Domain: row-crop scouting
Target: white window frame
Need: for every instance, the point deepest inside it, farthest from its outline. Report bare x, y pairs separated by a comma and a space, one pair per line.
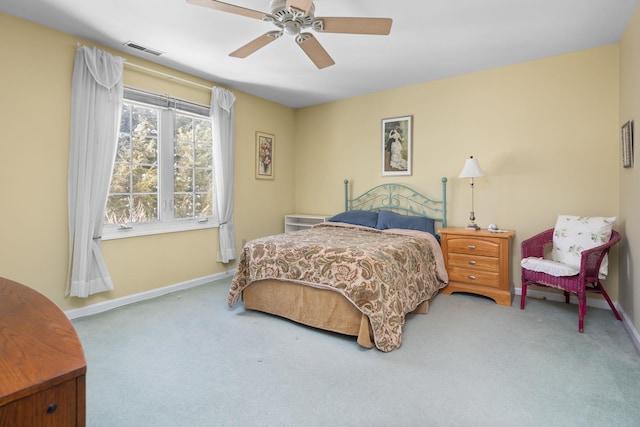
166, 135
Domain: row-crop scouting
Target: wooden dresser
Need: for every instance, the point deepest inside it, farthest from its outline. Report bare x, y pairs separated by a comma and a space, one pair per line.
477, 262
42, 364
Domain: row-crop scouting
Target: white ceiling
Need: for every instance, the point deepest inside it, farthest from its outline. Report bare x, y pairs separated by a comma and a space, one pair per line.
429, 40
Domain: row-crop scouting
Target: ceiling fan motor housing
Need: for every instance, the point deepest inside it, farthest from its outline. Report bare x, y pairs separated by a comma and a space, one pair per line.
290, 21
278, 6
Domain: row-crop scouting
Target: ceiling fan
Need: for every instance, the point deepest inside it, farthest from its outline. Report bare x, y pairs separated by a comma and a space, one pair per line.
292, 17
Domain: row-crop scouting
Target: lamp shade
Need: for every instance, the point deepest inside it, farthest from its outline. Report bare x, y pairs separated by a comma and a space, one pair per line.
471, 169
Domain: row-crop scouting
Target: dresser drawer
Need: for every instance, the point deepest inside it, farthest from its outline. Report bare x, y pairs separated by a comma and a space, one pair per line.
473, 262
474, 245
474, 277
55, 406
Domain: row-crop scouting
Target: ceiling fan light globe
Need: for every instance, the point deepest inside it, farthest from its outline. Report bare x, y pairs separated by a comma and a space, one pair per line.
292, 28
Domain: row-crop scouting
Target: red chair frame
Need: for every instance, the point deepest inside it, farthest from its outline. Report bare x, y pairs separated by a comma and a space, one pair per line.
585, 281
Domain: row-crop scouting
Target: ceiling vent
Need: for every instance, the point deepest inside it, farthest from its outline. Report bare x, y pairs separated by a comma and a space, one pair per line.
143, 48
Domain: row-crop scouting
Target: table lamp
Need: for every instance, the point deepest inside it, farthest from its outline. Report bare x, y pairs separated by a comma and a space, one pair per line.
471, 170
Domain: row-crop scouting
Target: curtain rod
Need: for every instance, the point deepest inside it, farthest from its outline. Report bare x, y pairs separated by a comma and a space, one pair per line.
159, 73
165, 75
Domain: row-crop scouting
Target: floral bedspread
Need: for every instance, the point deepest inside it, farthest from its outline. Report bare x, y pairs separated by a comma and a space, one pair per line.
385, 274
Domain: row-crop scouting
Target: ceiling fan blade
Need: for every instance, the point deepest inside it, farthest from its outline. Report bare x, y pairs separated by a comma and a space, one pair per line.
226, 7
314, 50
256, 44
376, 26
303, 5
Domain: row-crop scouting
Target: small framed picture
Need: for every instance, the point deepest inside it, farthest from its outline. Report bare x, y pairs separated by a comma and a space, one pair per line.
265, 148
627, 144
396, 146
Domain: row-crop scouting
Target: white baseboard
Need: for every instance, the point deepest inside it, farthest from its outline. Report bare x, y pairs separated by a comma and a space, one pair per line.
142, 296
628, 325
591, 302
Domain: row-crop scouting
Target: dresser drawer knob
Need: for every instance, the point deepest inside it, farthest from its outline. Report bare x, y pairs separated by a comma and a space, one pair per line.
52, 408
472, 262
471, 246
471, 277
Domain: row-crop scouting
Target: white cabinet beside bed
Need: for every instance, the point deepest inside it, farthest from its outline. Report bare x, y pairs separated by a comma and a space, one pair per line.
293, 222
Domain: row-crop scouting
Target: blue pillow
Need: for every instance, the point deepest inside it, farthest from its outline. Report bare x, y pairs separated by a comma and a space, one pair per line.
366, 218
388, 219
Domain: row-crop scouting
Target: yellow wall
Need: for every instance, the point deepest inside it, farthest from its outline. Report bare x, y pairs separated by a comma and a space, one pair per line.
35, 88
629, 295
545, 132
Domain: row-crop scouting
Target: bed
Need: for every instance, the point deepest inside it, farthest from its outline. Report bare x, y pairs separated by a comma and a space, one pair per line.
358, 274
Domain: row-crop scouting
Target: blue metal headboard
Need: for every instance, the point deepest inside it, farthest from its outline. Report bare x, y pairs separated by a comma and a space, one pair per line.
399, 198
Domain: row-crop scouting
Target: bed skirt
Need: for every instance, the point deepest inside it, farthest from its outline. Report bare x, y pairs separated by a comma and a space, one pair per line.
319, 308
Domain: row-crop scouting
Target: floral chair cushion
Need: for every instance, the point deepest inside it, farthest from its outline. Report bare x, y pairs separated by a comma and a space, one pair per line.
573, 234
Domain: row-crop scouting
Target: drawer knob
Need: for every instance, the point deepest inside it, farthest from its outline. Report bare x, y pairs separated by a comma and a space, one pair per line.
52, 408
472, 262
471, 277
471, 246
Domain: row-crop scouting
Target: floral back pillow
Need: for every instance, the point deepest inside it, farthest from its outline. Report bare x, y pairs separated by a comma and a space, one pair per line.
573, 234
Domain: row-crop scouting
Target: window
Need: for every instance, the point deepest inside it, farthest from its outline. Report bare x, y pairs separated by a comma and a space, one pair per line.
162, 179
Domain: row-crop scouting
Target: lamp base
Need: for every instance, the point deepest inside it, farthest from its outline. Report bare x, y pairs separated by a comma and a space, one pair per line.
472, 218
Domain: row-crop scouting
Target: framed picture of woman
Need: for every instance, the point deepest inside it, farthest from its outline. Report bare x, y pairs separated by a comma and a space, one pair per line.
396, 146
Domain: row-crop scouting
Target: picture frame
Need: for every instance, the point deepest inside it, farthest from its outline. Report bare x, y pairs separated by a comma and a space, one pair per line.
397, 146
265, 149
627, 144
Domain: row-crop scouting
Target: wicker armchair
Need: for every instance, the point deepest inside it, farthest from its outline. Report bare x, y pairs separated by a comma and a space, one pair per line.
586, 280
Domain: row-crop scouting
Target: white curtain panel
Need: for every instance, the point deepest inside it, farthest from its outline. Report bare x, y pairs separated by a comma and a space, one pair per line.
223, 141
97, 91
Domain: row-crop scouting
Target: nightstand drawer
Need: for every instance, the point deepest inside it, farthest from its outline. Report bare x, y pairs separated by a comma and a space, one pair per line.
473, 262
474, 277
474, 245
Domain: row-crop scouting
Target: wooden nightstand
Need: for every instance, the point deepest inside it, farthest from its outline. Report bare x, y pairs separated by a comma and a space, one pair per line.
477, 262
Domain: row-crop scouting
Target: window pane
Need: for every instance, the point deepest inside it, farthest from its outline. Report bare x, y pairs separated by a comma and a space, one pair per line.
183, 180
204, 179
120, 181
118, 210
183, 154
203, 131
124, 148
145, 208
203, 155
125, 119
204, 205
193, 167
135, 170
184, 128
144, 121
145, 179
183, 206
145, 150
